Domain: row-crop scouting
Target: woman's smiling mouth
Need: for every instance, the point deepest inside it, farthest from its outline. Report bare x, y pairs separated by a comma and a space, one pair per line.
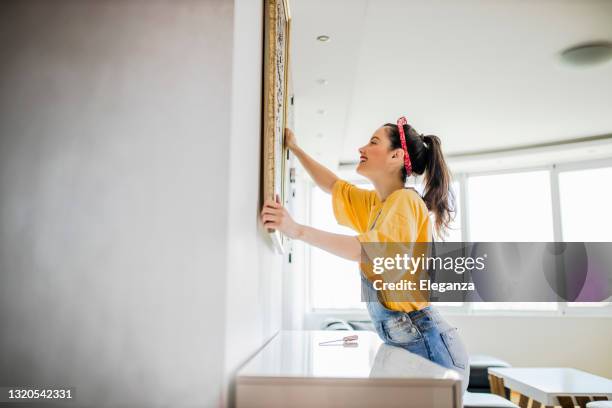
362, 159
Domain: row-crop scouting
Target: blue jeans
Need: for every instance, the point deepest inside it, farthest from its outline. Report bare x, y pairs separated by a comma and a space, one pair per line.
423, 332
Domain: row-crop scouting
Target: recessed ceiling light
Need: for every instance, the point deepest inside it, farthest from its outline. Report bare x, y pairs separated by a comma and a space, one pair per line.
322, 81
591, 53
324, 38
321, 111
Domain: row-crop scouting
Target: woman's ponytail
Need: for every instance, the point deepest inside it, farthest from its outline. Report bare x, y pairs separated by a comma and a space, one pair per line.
427, 159
437, 193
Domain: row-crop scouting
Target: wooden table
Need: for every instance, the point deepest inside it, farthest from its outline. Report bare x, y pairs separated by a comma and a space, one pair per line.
294, 370
566, 387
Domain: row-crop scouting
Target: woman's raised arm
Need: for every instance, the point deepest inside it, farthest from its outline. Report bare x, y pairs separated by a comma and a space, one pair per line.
322, 176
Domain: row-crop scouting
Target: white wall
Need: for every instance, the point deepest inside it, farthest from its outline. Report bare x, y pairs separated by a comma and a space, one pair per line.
120, 168
541, 341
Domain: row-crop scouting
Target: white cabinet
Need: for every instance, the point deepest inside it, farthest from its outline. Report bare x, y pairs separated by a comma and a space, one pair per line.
294, 370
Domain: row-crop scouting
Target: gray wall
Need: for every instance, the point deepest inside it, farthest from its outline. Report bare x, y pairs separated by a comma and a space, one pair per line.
115, 121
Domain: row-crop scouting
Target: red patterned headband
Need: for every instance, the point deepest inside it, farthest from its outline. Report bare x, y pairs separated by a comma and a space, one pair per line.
400, 126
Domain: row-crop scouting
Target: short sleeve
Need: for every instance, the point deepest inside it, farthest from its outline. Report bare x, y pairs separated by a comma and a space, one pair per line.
352, 205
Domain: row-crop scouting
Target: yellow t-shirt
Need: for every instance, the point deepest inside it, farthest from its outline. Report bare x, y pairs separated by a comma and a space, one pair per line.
403, 218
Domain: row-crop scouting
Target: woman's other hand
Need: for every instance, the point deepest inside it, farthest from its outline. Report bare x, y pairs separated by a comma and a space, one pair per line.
290, 140
274, 215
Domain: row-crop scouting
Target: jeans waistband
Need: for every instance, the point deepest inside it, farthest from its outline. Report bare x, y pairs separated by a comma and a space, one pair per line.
426, 311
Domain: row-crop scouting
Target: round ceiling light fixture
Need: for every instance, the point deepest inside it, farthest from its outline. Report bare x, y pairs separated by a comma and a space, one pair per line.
324, 38
586, 54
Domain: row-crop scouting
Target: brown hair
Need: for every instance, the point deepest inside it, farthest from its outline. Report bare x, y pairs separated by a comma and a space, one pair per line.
426, 156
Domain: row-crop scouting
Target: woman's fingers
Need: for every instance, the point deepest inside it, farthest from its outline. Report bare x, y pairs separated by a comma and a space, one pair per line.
269, 208
290, 139
275, 206
270, 217
273, 213
270, 221
272, 203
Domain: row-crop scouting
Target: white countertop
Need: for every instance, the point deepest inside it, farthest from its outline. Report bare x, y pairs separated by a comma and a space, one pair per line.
298, 354
544, 384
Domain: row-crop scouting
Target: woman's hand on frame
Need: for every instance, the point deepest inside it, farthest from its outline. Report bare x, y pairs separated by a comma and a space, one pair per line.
275, 216
290, 139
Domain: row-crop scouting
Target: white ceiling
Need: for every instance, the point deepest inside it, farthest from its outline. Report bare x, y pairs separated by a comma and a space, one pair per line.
480, 74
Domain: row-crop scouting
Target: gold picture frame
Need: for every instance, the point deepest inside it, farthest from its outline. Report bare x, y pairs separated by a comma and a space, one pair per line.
277, 24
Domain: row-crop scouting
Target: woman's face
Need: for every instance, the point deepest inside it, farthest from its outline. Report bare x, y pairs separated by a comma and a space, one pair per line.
376, 158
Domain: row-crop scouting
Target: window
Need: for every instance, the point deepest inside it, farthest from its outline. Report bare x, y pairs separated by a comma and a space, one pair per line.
329, 272
584, 207
585, 204
514, 207
511, 207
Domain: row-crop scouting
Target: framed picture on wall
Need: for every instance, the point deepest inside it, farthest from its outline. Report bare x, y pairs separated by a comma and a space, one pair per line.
277, 22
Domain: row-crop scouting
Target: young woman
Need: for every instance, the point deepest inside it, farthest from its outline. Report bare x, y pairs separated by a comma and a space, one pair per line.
391, 213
